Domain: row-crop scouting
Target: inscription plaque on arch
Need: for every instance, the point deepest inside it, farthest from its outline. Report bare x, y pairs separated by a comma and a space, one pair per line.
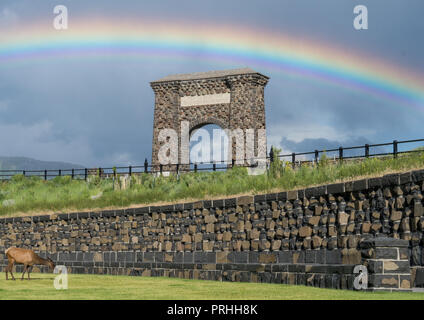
192, 101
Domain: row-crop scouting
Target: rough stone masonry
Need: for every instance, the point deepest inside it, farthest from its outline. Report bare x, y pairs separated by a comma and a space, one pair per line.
313, 236
231, 99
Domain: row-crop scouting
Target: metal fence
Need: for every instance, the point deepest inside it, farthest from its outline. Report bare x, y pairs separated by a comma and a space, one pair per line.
294, 159
394, 146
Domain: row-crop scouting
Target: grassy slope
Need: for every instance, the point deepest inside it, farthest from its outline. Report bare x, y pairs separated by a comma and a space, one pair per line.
149, 288
31, 195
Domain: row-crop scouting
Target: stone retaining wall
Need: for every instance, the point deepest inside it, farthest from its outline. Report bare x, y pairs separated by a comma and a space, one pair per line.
321, 225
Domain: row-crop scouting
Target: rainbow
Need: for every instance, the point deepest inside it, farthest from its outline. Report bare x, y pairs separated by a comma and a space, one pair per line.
230, 44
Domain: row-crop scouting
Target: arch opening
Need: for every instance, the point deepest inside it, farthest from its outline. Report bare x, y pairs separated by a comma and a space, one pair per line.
208, 144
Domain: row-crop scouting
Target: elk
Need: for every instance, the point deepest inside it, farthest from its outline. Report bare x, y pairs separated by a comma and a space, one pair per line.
26, 257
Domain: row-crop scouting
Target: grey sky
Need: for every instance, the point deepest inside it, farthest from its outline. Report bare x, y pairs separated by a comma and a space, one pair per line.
100, 113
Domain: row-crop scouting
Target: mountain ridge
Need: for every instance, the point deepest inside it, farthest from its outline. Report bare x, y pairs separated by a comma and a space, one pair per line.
25, 163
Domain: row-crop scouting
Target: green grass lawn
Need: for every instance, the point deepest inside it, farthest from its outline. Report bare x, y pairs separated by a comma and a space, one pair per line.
104, 287
32, 195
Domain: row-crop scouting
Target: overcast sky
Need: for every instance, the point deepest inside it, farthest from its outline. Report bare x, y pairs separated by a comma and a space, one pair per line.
99, 112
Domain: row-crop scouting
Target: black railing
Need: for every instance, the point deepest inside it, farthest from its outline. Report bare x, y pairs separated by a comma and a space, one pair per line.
394, 145
296, 159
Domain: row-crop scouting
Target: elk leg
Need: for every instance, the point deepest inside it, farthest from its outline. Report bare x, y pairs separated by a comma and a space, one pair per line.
10, 266
25, 269
29, 270
7, 270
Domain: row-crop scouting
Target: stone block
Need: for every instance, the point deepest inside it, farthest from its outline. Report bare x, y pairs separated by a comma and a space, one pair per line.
375, 183
314, 221
395, 215
210, 228
227, 236
210, 219
375, 266
230, 203
276, 245
245, 200
418, 209
335, 188
98, 257
282, 196
386, 253
333, 257
254, 234
383, 281
316, 242
292, 195
360, 185
383, 242
305, 231
267, 258
351, 256
390, 180
186, 238
405, 282
405, 178
343, 218
392, 266
417, 176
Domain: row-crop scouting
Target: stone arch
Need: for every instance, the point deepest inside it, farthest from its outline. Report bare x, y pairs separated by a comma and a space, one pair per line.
199, 123
231, 99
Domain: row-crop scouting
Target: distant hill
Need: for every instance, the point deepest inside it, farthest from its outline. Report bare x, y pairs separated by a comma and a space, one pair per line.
22, 163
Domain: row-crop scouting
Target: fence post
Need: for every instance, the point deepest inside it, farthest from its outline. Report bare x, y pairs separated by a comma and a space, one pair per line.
367, 151
45, 174
195, 167
146, 164
178, 168
316, 156
341, 154
161, 168
60, 172
23, 172
85, 174
214, 167
271, 155
72, 174
130, 170
232, 163
395, 148
100, 172
293, 160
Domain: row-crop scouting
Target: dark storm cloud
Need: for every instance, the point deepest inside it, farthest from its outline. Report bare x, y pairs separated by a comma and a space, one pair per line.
100, 112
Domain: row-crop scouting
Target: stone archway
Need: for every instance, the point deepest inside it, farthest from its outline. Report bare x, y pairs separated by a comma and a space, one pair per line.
198, 123
231, 99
